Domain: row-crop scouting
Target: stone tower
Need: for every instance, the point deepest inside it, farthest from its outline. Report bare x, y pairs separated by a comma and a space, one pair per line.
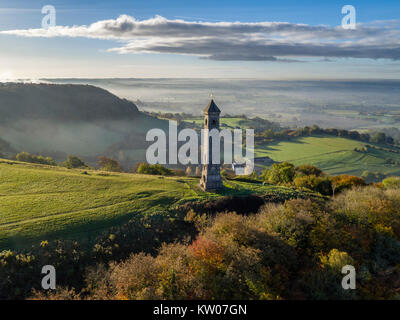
210, 173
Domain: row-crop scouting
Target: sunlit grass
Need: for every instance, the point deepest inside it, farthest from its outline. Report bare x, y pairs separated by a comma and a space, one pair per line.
43, 202
334, 155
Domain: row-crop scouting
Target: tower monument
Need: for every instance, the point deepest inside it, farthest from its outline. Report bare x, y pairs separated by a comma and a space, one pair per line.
210, 173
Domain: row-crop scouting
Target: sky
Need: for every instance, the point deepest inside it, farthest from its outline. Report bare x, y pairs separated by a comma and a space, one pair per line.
268, 39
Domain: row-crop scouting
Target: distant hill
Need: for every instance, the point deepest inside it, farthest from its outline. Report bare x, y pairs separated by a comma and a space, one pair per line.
62, 103
56, 120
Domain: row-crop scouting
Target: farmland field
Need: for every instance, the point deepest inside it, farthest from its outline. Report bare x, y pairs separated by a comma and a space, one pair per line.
44, 203
334, 155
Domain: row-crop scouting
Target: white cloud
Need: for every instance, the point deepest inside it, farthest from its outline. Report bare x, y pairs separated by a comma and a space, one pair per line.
269, 41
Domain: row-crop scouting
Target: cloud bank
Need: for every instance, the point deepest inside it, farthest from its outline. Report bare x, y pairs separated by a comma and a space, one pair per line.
230, 41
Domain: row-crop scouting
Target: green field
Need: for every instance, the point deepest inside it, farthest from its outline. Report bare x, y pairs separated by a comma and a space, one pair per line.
44, 203
334, 155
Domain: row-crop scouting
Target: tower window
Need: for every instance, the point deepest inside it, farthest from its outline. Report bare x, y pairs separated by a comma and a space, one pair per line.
213, 122
206, 121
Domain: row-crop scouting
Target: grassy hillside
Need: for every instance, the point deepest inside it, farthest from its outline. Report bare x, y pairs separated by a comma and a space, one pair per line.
56, 120
333, 154
43, 203
61, 103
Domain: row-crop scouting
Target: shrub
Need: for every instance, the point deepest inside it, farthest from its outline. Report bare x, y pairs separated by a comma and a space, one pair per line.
251, 252
136, 278
108, 164
324, 284
294, 222
308, 170
391, 183
279, 173
336, 260
27, 157
322, 185
24, 157
155, 169
366, 219
74, 162
344, 181
369, 176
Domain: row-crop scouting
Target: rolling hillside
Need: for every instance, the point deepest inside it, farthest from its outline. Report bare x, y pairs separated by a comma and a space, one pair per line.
83, 120
334, 155
56, 120
44, 203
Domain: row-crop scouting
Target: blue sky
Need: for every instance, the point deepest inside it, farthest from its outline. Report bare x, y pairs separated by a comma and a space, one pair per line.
81, 56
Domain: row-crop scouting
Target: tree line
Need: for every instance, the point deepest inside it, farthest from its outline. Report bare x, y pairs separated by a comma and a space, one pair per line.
269, 135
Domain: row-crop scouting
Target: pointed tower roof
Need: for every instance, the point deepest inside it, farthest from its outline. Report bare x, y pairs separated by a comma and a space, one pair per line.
211, 107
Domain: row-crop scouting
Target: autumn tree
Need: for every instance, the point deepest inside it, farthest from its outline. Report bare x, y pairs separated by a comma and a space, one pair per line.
308, 170
322, 185
344, 181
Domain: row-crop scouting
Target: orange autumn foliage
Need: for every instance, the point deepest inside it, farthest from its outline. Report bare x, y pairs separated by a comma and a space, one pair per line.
208, 253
